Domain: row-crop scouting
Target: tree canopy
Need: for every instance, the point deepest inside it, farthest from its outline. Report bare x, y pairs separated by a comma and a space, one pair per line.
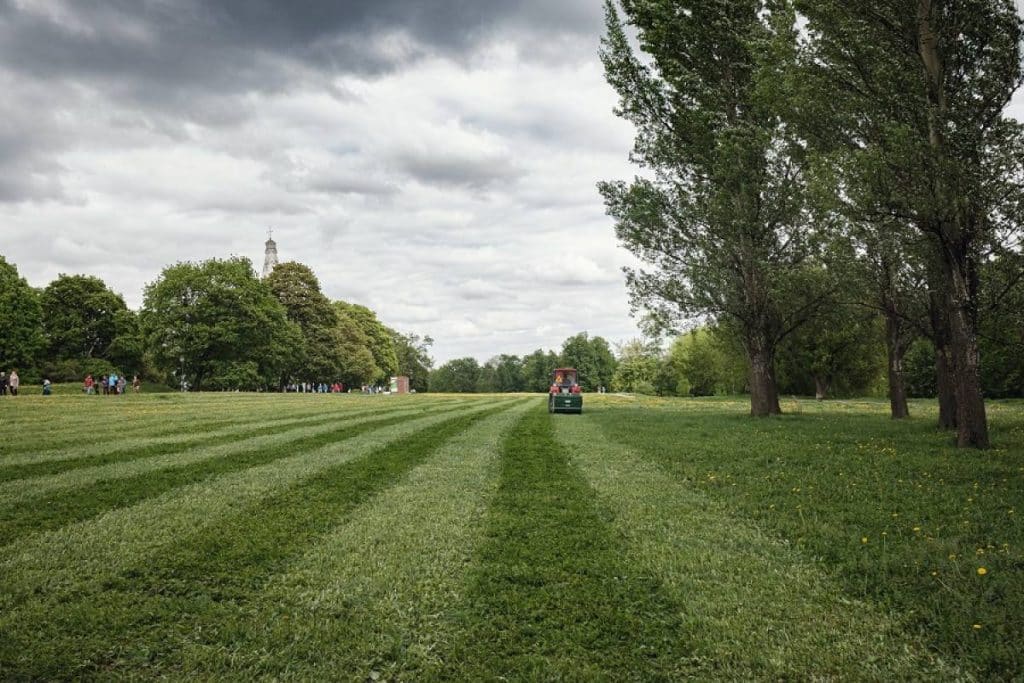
22, 338
720, 221
216, 321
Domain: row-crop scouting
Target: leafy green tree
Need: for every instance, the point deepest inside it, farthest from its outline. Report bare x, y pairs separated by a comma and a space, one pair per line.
22, 338
382, 344
459, 376
201, 319
720, 222
913, 93
508, 374
704, 362
1002, 325
413, 355
592, 358
320, 356
487, 380
919, 369
128, 348
358, 366
839, 352
637, 368
83, 318
537, 369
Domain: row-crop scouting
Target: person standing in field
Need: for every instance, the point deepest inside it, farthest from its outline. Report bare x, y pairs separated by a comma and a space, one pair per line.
88, 384
103, 385
47, 387
136, 384
121, 384
3, 383
112, 384
15, 382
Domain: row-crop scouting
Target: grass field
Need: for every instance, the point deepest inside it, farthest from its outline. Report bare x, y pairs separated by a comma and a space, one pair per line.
304, 537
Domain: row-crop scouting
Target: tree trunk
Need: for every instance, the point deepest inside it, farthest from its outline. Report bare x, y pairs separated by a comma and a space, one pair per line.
895, 348
971, 421
945, 386
957, 246
821, 385
764, 391
943, 360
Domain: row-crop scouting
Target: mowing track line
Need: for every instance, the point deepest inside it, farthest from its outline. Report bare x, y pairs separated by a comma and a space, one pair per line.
754, 609
149, 606
75, 559
550, 598
50, 502
373, 597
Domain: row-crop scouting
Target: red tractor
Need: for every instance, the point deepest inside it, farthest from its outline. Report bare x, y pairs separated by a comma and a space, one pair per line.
565, 394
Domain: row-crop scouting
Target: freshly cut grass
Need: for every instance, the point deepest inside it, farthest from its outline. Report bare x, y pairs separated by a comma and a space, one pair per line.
891, 510
183, 437
753, 607
149, 608
466, 538
51, 568
168, 456
550, 596
368, 597
50, 502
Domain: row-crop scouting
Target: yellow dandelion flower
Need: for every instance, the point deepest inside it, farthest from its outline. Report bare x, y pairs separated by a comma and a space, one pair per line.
917, 529
864, 539
982, 571
977, 627
952, 556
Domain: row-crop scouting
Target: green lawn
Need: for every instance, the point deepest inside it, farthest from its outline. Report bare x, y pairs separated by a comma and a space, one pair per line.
236, 536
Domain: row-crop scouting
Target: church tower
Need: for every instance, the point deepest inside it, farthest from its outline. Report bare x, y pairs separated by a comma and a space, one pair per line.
270, 258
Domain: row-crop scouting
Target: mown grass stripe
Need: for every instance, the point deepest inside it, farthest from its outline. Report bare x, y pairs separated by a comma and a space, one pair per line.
550, 597
754, 609
46, 570
372, 597
84, 422
185, 428
186, 438
69, 439
149, 608
48, 509
14, 492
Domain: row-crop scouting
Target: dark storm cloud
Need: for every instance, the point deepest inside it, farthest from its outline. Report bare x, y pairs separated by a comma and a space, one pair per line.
238, 44
193, 61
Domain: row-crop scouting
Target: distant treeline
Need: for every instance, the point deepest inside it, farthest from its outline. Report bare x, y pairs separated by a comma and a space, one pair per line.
829, 360
216, 326
203, 326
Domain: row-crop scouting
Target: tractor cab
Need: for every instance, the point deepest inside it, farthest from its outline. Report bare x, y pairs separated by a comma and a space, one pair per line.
565, 394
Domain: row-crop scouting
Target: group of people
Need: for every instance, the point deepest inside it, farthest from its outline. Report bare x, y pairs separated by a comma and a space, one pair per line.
10, 383
315, 388
110, 385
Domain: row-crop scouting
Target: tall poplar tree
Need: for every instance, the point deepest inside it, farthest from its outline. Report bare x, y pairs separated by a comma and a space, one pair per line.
916, 90
719, 217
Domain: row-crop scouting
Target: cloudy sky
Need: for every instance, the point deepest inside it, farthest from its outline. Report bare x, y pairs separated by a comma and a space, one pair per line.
432, 159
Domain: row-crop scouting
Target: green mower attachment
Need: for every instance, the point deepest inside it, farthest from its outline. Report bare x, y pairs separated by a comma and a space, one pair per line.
565, 394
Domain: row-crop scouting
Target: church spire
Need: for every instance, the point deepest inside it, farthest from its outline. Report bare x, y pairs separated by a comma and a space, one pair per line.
270, 257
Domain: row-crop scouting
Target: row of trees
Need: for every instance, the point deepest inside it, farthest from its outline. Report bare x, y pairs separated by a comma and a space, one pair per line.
217, 327
591, 356
210, 325
807, 158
